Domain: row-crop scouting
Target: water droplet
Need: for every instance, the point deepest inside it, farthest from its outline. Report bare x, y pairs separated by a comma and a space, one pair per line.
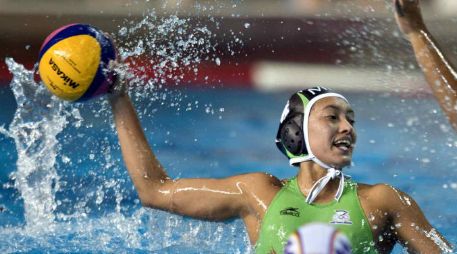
425, 160
65, 159
123, 31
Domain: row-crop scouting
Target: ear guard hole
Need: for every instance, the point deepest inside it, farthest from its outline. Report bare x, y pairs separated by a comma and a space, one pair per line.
292, 135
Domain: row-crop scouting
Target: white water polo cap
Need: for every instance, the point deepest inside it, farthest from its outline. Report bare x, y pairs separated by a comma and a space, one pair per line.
293, 141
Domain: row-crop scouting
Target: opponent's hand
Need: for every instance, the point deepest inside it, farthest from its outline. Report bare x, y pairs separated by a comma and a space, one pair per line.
408, 16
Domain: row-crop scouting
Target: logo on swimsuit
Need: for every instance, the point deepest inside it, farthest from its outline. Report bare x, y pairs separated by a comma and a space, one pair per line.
290, 211
341, 217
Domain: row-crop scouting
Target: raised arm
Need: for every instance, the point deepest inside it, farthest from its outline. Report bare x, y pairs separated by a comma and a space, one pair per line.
439, 72
202, 198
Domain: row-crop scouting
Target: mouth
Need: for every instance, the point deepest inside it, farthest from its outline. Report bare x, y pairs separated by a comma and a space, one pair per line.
345, 144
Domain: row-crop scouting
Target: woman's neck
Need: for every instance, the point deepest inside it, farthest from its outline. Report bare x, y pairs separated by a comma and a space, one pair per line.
309, 173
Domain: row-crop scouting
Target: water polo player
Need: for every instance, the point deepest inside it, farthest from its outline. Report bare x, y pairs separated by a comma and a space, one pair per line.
317, 135
439, 72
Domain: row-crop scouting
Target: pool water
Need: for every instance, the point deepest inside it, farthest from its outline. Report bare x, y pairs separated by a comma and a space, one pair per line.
91, 205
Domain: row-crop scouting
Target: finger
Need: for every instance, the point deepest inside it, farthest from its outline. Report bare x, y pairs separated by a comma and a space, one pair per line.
399, 8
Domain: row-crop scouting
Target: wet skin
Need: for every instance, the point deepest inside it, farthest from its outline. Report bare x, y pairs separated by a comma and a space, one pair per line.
393, 216
438, 70
330, 123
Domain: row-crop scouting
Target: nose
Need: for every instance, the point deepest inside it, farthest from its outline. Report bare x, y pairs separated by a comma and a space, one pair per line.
346, 126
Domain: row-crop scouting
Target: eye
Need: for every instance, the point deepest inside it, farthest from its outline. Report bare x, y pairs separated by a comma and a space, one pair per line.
332, 117
350, 120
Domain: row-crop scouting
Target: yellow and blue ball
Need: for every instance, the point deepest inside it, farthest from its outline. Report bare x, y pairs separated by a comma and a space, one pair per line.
74, 62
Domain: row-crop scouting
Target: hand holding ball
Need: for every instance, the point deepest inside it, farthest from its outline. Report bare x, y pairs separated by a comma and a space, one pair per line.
74, 62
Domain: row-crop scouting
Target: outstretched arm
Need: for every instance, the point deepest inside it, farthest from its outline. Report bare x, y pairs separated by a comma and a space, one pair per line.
202, 198
439, 72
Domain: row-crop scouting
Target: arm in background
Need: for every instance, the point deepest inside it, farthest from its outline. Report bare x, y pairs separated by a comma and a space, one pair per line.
439, 72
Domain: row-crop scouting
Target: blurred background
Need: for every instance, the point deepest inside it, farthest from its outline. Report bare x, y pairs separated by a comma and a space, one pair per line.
65, 157
268, 44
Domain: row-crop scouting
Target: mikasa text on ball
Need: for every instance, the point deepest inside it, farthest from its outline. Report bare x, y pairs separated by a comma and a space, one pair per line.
74, 62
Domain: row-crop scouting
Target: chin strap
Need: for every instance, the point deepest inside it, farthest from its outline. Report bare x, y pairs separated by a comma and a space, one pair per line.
321, 183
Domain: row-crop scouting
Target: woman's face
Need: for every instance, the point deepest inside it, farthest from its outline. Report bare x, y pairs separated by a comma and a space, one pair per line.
331, 131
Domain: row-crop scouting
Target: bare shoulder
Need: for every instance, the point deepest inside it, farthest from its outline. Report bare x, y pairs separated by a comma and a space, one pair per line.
259, 181
376, 189
260, 186
259, 190
384, 195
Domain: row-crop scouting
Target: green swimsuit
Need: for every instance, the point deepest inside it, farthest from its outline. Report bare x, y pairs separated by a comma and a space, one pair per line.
288, 211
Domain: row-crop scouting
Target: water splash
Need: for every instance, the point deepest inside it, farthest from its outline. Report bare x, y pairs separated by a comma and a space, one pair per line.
432, 234
38, 119
97, 210
162, 52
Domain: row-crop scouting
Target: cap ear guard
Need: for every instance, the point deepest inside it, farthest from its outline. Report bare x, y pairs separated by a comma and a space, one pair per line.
290, 138
291, 134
